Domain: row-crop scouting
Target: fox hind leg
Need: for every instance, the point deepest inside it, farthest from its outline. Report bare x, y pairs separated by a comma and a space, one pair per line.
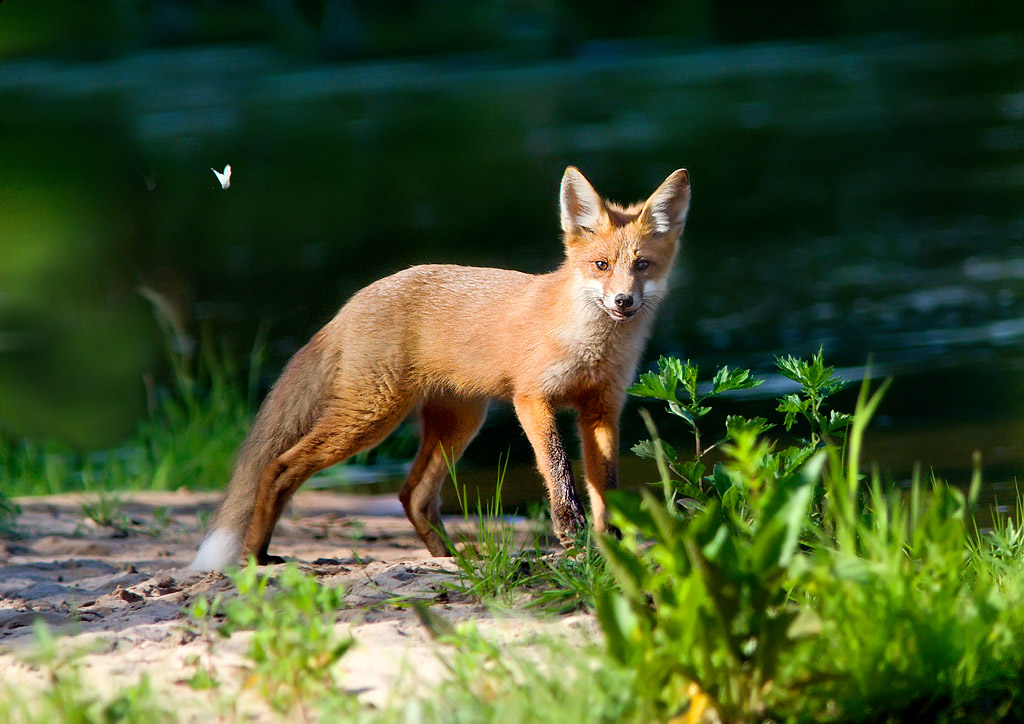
448, 426
332, 439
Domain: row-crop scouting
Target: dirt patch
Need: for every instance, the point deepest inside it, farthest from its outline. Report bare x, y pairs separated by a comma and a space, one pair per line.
122, 590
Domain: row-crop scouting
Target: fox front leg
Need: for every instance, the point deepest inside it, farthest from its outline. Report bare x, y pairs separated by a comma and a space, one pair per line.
537, 417
599, 433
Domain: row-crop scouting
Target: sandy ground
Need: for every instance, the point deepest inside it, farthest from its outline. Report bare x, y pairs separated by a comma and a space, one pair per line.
119, 593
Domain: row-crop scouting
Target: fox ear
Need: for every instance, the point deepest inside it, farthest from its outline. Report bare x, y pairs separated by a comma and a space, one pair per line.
666, 210
581, 205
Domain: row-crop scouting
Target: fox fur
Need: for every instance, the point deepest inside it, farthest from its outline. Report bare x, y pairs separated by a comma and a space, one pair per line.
447, 339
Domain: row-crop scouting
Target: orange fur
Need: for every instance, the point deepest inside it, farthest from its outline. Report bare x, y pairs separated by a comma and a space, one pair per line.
449, 338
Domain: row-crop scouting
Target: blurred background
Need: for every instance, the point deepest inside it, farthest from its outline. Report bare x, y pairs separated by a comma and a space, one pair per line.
857, 166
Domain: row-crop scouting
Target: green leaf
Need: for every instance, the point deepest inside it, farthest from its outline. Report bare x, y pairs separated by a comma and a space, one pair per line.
625, 566
692, 472
721, 591
669, 528
619, 623
721, 480
726, 380
648, 449
626, 512
652, 385
777, 536
838, 421
661, 385
792, 405
734, 424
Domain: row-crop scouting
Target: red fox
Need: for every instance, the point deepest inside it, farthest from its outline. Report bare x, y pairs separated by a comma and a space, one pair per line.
450, 338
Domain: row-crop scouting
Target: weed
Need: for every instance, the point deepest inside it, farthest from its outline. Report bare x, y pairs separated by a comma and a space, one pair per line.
189, 438
9, 512
162, 519
67, 699
495, 568
798, 588
202, 613
570, 581
752, 465
491, 565
546, 681
104, 508
294, 645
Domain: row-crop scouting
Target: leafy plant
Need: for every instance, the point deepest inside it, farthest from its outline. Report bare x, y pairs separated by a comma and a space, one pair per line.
818, 382
826, 595
571, 580
66, 699
752, 463
203, 612
704, 600
294, 646
495, 568
673, 376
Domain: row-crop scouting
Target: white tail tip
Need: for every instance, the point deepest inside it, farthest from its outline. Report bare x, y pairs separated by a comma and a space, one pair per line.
218, 550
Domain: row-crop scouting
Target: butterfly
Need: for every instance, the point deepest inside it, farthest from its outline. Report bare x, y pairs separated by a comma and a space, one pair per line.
224, 178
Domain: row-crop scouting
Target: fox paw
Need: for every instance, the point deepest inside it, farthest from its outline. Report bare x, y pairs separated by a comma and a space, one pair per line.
569, 523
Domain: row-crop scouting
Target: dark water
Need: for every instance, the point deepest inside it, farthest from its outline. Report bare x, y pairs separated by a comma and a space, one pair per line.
863, 195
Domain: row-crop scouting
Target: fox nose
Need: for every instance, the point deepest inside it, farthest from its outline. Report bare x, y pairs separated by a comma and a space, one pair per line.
623, 301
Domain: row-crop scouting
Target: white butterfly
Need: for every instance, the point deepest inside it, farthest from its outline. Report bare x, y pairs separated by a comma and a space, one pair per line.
224, 178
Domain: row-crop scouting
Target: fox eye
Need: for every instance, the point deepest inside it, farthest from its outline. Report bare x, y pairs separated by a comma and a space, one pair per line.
601, 264
641, 264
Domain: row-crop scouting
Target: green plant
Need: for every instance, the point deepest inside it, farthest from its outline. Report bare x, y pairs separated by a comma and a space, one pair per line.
104, 508
752, 463
704, 600
826, 595
189, 437
534, 681
818, 382
194, 429
66, 699
294, 645
203, 612
9, 512
921, 617
570, 580
492, 566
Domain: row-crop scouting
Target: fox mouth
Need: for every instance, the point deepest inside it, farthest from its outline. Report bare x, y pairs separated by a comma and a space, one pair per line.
620, 315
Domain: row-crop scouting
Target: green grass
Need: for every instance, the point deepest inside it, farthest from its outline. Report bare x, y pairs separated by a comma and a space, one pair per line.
498, 570
188, 439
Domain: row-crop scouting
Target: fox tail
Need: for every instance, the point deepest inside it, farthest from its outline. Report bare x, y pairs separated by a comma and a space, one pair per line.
285, 417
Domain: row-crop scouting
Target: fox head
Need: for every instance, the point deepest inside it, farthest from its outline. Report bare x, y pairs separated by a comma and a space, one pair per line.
621, 257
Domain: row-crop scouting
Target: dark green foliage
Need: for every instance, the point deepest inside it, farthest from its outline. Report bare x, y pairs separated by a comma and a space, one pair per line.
796, 589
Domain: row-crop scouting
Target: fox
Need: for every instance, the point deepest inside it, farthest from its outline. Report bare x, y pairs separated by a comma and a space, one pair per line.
448, 340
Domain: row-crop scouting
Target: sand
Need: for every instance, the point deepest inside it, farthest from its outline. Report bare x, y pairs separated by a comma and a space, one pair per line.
119, 592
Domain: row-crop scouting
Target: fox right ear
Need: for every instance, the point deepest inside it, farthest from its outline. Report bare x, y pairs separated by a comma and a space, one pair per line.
581, 205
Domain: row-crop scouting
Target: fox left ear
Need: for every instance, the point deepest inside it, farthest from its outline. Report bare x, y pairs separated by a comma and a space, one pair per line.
666, 209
